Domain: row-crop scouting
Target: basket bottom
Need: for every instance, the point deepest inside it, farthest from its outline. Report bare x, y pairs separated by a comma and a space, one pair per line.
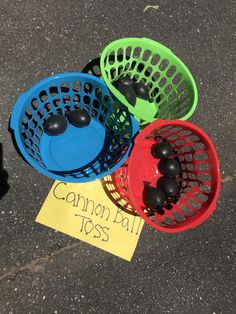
146, 167
144, 109
73, 149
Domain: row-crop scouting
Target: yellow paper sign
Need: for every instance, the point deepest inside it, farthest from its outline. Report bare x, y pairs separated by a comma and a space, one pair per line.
85, 212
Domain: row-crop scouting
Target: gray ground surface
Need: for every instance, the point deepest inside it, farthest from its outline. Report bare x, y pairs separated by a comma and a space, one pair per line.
42, 271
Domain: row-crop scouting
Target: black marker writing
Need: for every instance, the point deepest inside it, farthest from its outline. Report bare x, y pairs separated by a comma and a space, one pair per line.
87, 226
132, 229
54, 191
97, 228
83, 217
140, 220
107, 236
85, 205
119, 218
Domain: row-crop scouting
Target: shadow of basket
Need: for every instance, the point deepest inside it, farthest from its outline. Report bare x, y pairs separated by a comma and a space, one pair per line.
93, 67
4, 186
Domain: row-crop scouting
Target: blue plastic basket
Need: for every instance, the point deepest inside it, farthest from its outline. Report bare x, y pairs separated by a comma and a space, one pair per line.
79, 154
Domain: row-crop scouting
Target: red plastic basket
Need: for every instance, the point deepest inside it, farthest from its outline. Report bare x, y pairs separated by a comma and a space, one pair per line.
199, 180
116, 187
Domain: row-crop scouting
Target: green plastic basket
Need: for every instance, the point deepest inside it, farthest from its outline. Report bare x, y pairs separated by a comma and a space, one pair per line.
171, 86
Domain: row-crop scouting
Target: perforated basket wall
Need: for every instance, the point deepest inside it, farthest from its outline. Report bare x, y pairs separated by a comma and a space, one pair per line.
171, 85
116, 187
199, 179
65, 92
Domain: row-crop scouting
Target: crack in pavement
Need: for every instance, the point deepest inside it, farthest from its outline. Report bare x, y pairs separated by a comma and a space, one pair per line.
35, 265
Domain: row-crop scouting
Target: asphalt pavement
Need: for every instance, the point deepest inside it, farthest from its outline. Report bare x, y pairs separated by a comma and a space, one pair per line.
44, 271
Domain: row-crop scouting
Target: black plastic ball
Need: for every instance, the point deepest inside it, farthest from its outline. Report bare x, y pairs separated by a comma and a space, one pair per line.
125, 80
169, 167
55, 125
162, 150
154, 198
169, 186
79, 118
128, 93
141, 91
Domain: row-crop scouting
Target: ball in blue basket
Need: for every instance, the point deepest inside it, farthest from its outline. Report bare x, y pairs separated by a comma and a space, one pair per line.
79, 118
55, 125
162, 150
128, 92
141, 91
169, 186
169, 167
154, 198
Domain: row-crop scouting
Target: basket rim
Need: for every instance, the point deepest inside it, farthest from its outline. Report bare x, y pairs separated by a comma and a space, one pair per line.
160, 46
62, 75
16, 109
212, 205
15, 116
